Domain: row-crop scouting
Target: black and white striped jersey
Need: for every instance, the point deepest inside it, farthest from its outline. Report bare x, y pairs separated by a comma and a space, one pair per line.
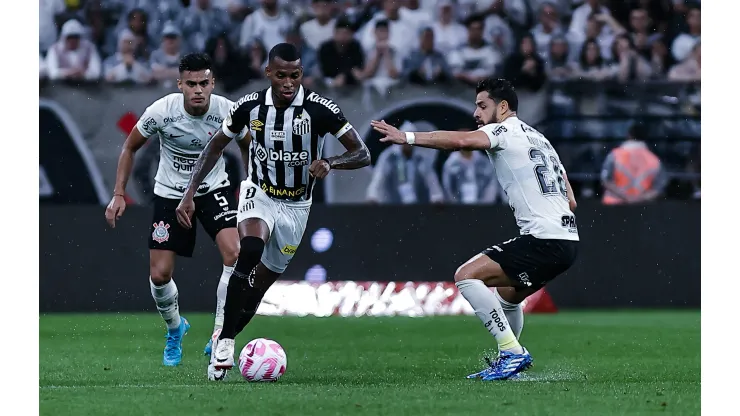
285, 140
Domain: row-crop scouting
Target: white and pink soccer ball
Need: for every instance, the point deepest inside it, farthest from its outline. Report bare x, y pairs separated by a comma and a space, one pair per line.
262, 360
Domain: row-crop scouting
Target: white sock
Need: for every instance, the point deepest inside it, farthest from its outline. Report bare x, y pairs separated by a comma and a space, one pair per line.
514, 315
165, 297
223, 286
488, 309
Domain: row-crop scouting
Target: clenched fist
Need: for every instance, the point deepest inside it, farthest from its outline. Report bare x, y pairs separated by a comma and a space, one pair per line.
319, 168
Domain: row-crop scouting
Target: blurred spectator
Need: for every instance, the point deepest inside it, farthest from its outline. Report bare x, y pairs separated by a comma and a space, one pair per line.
72, 57
476, 59
48, 11
100, 31
685, 41
548, 27
200, 22
591, 65
124, 67
157, 13
498, 33
524, 68
383, 67
237, 9
661, 59
640, 32
468, 178
628, 64
427, 65
165, 61
690, 69
580, 17
268, 24
138, 24
448, 33
257, 54
230, 68
413, 13
341, 59
632, 173
402, 33
403, 176
601, 27
321, 28
514, 10
309, 59
557, 63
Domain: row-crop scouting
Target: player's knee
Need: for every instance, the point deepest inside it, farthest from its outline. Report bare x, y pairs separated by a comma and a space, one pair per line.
463, 273
231, 254
250, 251
160, 275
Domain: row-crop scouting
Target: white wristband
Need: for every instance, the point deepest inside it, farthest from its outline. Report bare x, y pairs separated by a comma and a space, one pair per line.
410, 137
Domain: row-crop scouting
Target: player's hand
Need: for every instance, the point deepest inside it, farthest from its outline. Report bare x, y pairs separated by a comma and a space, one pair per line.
391, 133
185, 211
115, 210
319, 168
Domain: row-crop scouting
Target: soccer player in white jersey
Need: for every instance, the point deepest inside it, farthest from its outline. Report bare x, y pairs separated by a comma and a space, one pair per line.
540, 195
184, 123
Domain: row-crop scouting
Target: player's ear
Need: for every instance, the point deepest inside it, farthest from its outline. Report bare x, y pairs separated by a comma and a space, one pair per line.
179, 84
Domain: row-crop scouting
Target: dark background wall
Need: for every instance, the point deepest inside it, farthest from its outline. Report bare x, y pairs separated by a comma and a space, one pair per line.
635, 256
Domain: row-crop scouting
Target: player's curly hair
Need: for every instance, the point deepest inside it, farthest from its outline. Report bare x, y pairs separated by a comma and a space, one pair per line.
499, 90
195, 62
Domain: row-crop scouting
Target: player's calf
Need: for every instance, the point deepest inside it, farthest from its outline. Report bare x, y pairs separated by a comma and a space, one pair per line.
241, 284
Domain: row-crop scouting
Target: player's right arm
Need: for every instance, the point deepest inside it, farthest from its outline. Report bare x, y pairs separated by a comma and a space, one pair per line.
233, 127
486, 138
147, 126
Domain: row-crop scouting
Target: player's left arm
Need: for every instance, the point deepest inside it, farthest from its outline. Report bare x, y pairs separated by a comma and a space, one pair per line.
357, 155
481, 139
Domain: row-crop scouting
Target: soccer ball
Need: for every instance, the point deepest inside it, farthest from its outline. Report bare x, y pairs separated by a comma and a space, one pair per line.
262, 360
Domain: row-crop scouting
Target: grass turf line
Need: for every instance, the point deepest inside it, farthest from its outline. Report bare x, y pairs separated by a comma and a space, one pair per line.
586, 363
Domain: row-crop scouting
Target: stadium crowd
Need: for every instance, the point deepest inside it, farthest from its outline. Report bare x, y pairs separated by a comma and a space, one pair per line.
385, 44
375, 41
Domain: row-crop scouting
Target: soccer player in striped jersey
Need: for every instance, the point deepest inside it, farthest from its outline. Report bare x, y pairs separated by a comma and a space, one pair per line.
287, 125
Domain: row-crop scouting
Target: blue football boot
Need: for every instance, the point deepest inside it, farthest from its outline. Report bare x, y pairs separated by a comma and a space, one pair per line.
173, 347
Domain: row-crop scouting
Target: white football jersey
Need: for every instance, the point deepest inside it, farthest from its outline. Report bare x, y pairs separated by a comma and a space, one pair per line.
182, 137
530, 172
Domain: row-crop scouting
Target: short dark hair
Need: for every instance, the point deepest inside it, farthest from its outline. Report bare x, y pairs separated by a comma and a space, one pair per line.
381, 23
195, 62
474, 19
285, 51
499, 90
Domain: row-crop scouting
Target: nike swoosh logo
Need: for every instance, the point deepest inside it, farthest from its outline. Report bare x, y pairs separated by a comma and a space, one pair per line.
172, 136
220, 361
230, 218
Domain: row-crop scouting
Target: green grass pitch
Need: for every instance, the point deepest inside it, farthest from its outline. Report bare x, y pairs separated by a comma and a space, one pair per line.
586, 363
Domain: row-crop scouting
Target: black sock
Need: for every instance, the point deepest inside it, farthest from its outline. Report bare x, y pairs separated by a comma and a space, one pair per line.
241, 285
250, 305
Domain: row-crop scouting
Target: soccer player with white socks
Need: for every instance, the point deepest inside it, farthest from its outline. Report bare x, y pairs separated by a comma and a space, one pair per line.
536, 184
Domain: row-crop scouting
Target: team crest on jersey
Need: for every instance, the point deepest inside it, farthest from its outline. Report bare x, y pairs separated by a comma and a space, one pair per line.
161, 233
301, 127
256, 125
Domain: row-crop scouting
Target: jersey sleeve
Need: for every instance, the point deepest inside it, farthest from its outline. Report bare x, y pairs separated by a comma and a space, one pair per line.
238, 117
496, 134
332, 120
243, 132
152, 121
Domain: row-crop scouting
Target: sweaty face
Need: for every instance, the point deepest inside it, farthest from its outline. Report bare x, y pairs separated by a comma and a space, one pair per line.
285, 78
485, 110
197, 87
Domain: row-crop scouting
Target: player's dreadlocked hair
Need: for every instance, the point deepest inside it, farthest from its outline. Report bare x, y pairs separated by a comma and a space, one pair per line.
285, 51
195, 62
499, 90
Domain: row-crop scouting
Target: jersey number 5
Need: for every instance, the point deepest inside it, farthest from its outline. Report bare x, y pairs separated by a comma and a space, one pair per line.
549, 175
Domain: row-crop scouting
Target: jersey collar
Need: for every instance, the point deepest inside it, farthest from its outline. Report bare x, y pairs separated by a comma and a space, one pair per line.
297, 100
